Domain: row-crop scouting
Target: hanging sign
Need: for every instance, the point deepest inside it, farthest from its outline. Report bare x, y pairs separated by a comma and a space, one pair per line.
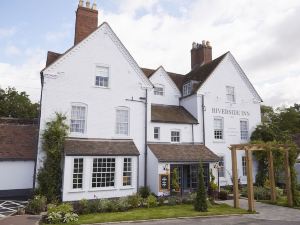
164, 182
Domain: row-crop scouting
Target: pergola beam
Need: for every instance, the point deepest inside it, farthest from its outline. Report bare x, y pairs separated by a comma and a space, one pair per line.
251, 206
235, 179
271, 176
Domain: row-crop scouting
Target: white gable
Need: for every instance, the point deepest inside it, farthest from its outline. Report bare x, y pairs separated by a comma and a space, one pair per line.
171, 95
229, 73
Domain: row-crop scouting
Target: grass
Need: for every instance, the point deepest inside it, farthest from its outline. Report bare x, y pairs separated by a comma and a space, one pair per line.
281, 201
161, 212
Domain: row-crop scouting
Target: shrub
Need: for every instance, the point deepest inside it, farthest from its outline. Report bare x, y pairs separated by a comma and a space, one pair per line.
37, 205
189, 199
260, 193
92, 206
172, 200
122, 204
151, 201
81, 207
223, 195
175, 180
144, 192
200, 203
161, 200
103, 205
134, 201
62, 213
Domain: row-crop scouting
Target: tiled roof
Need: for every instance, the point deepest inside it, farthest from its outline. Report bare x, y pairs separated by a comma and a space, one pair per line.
182, 153
171, 114
18, 139
96, 147
52, 57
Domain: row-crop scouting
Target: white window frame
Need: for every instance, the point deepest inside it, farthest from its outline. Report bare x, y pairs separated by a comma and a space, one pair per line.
230, 94
179, 136
216, 130
83, 105
187, 88
97, 75
117, 128
78, 173
161, 91
128, 171
92, 172
244, 134
222, 167
244, 166
156, 133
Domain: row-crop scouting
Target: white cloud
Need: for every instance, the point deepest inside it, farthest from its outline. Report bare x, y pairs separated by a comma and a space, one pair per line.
263, 36
12, 50
7, 32
25, 76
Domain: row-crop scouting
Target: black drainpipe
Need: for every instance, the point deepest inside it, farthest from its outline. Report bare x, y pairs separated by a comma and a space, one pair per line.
146, 136
203, 119
193, 134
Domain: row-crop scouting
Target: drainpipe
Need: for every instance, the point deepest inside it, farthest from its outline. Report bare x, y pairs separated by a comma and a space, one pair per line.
203, 119
39, 124
193, 141
146, 136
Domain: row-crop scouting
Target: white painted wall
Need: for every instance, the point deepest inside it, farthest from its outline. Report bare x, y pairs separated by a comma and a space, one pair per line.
71, 80
214, 90
16, 175
87, 192
171, 93
152, 174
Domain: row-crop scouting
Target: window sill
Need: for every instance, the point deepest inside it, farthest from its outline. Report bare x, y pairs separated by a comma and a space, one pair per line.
78, 135
94, 86
122, 137
76, 191
102, 189
127, 188
219, 141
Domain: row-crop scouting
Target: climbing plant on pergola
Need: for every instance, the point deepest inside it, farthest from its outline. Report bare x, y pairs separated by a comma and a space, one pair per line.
249, 148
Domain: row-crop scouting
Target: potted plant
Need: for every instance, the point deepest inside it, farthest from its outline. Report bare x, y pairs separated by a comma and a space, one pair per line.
175, 181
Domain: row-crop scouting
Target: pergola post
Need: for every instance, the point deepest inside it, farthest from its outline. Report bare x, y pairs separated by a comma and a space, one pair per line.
235, 178
251, 207
271, 176
288, 178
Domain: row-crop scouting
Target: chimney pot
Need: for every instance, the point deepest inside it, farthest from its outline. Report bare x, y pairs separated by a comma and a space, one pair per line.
80, 3
203, 42
88, 4
208, 44
94, 7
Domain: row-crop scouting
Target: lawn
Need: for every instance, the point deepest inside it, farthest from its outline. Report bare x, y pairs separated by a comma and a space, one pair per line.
161, 212
281, 201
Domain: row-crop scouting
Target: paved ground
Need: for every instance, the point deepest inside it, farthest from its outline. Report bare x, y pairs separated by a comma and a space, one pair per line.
20, 220
268, 215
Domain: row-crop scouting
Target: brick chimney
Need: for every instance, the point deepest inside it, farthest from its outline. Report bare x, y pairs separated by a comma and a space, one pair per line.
201, 54
86, 20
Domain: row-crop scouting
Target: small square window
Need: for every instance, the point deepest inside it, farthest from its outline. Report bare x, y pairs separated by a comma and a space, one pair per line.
159, 90
230, 94
156, 133
175, 136
102, 76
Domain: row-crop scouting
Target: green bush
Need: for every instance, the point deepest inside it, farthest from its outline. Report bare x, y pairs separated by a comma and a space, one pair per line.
172, 200
134, 200
144, 192
200, 203
92, 206
122, 204
223, 195
81, 207
103, 205
36, 205
62, 213
161, 200
260, 193
151, 201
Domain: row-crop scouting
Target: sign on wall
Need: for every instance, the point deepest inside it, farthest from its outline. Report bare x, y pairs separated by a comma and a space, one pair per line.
164, 182
233, 112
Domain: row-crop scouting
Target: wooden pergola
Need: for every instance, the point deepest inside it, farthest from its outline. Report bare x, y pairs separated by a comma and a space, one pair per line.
249, 148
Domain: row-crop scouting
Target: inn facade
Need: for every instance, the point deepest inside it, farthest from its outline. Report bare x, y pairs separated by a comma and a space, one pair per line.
131, 126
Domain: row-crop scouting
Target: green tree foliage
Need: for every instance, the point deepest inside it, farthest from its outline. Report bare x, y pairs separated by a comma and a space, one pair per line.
175, 180
200, 203
17, 104
50, 176
278, 126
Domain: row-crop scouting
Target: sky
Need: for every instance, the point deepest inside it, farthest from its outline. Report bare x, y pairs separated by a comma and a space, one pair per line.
263, 36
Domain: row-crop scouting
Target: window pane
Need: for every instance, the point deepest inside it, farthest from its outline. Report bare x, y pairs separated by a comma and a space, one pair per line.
244, 129
78, 115
127, 172
230, 94
77, 173
221, 167
175, 136
158, 91
102, 76
156, 132
122, 121
103, 172
218, 128
244, 166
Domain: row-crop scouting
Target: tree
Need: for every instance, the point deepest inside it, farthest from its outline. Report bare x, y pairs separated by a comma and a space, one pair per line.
200, 203
17, 104
50, 175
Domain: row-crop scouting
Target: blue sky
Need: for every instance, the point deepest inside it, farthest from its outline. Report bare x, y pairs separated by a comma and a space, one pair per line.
160, 32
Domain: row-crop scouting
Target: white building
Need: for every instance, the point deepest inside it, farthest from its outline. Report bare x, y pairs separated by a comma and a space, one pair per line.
130, 127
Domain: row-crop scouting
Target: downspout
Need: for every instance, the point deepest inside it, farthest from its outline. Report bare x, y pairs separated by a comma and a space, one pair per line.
146, 137
39, 124
203, 119
193, 141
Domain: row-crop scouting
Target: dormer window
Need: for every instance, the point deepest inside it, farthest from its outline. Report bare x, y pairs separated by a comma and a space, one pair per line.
187, 88
102, 76
230, 94
159, 90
